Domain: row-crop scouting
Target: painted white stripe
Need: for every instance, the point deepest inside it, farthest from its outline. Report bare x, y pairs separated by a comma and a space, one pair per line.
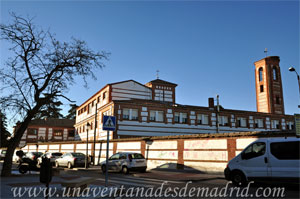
157, 180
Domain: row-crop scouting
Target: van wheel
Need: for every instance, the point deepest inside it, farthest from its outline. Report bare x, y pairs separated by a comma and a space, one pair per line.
103, 168
238, 178
125, 170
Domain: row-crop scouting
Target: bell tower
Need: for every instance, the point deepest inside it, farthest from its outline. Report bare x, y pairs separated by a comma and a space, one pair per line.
269, 95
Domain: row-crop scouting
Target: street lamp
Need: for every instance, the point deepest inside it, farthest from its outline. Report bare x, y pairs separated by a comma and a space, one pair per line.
292, 69
87, 146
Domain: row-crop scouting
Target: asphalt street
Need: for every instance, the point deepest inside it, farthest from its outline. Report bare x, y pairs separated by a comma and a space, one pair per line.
156, 184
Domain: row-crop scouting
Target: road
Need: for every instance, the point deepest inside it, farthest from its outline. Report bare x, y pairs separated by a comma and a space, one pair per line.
161, 184
205, 186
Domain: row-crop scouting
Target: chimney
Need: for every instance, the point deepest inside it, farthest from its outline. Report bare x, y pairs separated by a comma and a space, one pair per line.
211, 103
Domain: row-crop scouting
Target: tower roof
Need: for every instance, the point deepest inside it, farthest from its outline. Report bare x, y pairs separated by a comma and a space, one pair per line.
160, 81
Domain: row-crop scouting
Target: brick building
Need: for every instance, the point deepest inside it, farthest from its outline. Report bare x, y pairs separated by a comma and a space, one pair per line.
151, 109
48, 129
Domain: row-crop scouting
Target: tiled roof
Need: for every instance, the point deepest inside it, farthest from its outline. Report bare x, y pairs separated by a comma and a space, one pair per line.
160, 81
54, 122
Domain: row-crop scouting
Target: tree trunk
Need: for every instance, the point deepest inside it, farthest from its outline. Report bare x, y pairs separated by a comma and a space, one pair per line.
14, 142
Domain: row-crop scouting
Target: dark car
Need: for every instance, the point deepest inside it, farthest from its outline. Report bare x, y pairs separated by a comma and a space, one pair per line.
2, 154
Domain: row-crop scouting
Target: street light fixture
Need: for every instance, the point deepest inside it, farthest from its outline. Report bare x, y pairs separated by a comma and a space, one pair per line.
292, 69
87, 146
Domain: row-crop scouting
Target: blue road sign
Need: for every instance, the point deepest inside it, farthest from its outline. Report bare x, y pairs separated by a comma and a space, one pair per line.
109, 123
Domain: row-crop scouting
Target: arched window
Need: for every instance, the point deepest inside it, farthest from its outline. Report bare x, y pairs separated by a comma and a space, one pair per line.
275, 77
260, 71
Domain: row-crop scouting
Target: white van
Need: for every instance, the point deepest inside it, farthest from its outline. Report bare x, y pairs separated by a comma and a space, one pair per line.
266, 159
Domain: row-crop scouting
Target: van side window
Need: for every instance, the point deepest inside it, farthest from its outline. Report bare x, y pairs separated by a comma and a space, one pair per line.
255, 150
115, 157
122, 157
286, 150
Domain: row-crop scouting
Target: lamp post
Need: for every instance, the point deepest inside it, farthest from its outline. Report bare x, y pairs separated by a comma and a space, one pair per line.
87, 146
292, 69
94, 144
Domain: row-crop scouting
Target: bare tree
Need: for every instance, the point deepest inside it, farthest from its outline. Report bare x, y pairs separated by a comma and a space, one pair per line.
40, 70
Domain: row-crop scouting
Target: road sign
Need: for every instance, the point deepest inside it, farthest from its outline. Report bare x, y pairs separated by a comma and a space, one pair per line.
109, 123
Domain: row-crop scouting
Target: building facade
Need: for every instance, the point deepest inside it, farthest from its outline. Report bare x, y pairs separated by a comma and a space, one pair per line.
151, 109
48, 129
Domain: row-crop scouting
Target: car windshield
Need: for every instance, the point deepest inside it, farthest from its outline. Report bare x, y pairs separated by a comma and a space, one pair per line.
78, 154
137, 156
57, 154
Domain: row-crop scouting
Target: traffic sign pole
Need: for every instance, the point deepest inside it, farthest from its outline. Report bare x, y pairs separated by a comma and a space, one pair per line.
106, 171
109, 124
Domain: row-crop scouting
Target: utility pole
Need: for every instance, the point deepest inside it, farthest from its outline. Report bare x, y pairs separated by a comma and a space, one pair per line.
217, 115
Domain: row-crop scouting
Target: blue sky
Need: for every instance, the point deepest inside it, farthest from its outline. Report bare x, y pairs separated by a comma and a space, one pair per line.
207, 48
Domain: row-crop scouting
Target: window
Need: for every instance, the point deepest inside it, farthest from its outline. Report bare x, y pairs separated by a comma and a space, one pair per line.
126, 114
92, 125
160, 116
177, 117
277, 100
89, 108
260, 71
275, 124
104, 95
157, 116
58, 132
261, 88
275, 77
254, 150
122, 156
184, 118
99, 99
241, 122
152, 115
223, 120
115, 157
202, 119
32, 131
130, 114
286, 150
71, 133
134, 114
259, 123
289, 125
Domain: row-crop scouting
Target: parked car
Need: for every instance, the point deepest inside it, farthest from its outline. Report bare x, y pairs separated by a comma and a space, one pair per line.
33, 155
2, 154
266, 159
51, 155
71, 160
15, 158
125, 162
